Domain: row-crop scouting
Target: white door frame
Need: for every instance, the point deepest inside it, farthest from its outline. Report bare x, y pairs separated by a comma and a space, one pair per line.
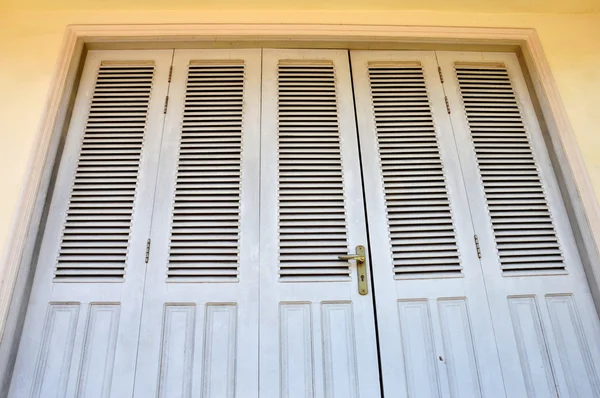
18, 262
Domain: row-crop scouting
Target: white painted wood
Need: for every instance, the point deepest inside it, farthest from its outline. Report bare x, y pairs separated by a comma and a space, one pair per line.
554, 299
61, 337
192, 337
319, 296
434, 325
177, 350
99, 350
21, 243
199, 330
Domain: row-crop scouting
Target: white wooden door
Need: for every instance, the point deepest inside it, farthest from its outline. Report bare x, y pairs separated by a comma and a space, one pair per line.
546, 325
199, 330
435, 332
317, 333
82, 324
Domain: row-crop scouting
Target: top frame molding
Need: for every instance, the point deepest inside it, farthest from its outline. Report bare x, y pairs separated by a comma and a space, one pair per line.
19, 250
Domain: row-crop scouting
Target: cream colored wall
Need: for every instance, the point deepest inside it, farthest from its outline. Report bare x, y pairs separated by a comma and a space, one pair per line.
29, 44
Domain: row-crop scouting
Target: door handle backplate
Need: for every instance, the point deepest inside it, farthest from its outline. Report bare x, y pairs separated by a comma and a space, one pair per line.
361, 268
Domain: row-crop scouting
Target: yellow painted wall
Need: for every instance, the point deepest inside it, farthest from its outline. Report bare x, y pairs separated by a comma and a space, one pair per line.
29, 44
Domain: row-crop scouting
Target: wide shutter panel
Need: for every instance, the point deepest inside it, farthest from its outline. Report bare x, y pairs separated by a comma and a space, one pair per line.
521, 220
423, 239
205, 228
98, 221
312, 214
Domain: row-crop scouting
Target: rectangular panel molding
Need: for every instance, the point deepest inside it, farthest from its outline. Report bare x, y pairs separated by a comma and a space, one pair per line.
220, 351
54, 361
296, 350
420, 361
573, 348
339, 351
176, 358
463, 371
532, 347
95, 375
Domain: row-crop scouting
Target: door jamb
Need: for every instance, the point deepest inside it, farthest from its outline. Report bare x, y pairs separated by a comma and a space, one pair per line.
17, 266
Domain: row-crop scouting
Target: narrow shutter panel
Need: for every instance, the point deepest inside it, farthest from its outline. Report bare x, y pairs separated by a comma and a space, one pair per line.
523, 227
423, 238
312, 214
205, 229
98, 221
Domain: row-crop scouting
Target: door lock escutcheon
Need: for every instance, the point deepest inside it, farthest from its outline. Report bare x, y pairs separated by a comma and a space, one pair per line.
361, 267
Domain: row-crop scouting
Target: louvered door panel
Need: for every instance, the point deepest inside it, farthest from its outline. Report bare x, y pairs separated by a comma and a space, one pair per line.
81, 331
317, 333
428, 285
419, 216
524, 230
312, 214
98, 221
204, 241
541, 306
200, 315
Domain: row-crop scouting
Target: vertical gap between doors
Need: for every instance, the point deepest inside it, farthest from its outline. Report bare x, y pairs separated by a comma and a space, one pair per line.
368, 243
152, 217
471, 214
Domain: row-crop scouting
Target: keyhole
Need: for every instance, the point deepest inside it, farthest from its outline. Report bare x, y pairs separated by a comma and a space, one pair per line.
362, 278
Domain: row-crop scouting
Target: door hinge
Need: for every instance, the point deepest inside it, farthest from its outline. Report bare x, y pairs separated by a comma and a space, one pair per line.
170, 73
477, 246
440, 72
166, 104
148, 251
447, 104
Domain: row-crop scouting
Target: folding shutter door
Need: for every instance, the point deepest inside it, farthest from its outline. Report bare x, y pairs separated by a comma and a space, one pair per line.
199, 332
477, 280
317, 331
81, 328
434, 326
546, 325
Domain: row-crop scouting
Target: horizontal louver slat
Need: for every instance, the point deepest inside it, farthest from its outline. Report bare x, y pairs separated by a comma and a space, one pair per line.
524, 230
419, 216
205, 227
96, 233
312, 217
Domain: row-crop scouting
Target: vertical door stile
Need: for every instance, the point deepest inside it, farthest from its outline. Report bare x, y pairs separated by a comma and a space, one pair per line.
545, 323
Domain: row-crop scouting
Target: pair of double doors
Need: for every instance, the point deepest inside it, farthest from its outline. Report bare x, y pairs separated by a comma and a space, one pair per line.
201, 235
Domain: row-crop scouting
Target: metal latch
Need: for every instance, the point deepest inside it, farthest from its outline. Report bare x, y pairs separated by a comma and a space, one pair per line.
147, 251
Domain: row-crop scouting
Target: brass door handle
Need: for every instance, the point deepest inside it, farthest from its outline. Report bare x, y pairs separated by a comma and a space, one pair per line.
352, 257
361, 268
